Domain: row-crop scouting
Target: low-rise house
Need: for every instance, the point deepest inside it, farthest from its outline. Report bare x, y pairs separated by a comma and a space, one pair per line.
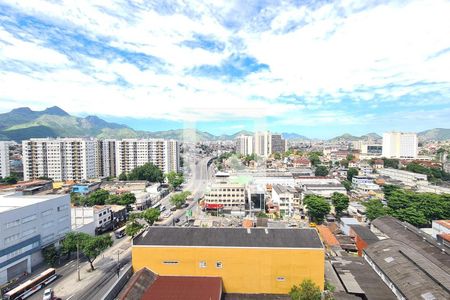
363, 237
85, 188
345, 224
99, 215
287, 198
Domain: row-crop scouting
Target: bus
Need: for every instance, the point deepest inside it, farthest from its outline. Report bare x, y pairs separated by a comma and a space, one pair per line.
31, 286
120, 233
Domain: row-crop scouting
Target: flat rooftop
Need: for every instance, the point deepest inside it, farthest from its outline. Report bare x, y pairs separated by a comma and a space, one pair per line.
230, 237
17, 200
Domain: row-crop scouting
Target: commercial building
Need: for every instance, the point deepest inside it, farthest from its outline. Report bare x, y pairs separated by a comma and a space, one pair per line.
266, 143
249, 261
324, 187
244, 145
132, 153
407, 178
225, 195
98, 215
28, 224
410, 262
60, 159
287, 198
4, 159
400, 145
440, 227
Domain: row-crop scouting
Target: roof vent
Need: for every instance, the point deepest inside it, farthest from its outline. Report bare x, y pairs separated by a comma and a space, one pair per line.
248, 231
266, 230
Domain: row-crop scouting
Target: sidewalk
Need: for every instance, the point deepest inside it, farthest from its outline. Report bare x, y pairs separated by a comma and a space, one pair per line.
68, 286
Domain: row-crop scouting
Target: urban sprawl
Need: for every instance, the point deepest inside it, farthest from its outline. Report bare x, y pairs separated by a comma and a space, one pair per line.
258, 217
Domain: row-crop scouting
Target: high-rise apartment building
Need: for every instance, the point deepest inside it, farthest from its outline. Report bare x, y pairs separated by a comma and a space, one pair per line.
60, 159
106, 162
244, 144
132, 153
400, 145
4, 159
265, 143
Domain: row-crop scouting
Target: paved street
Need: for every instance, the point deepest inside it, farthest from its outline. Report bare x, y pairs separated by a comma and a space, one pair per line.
93, 284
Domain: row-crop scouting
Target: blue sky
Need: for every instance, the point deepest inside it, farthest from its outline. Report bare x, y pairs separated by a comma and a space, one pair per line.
318, 68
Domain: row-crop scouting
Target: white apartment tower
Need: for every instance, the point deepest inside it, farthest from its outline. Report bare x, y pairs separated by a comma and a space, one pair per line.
60, 159
400, 145
266, 143
4, 159
244, 145
132, 153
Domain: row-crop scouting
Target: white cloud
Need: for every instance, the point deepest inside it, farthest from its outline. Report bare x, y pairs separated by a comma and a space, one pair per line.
337, 50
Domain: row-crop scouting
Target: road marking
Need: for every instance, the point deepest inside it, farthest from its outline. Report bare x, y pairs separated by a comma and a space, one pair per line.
70, 297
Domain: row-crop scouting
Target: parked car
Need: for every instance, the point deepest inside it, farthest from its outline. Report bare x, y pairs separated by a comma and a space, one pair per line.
48, 294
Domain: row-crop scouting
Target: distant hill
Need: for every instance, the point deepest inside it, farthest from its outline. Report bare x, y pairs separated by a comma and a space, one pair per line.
347, 137
293, 136
24, 123
435, 134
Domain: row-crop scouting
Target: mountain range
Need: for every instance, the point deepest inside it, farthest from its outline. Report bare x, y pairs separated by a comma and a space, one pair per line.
24, 123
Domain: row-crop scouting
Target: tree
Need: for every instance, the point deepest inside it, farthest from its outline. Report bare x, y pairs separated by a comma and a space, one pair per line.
307, 290
375, 209
410, 215
277, 155
340, 202
50, 255
97, 197
179, 199
314, 158
76, 199
321, 171
123, 177
347, 184
133, 228
92, 246
150, 215
148, 172
125, 199
69, 244
350, 157
388, 189
317, 206
9, 179
175, 179
350, 173
391, 163
344, 163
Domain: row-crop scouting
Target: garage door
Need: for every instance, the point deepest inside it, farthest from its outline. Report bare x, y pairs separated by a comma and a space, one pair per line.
17, 270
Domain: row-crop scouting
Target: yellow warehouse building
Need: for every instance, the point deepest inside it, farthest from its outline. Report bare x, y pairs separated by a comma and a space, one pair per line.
249, 261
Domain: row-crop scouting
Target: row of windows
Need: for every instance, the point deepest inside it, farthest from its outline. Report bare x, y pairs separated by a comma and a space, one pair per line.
202, 264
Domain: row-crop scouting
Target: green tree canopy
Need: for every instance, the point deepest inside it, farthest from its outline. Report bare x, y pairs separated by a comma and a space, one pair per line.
321, 171
317, 206
150, 215
175, 179
133, 228
314, 158
148, 172
340, 202
347, 184
97, 197
125, 199
350, 173
307, 290
375, 209
93, 246
344, 163
123, 176
391, 163
179, 199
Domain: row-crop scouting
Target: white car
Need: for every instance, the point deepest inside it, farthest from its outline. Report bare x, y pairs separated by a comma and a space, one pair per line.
48, 294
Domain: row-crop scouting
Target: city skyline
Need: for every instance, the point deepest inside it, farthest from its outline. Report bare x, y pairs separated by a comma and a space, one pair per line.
318, 69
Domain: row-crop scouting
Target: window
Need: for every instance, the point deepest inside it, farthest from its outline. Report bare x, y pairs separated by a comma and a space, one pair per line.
280, 279
47, 212
28, 219
170, 262
218, 264
28, 232
13, 223
12, 238
47, 225
202, 264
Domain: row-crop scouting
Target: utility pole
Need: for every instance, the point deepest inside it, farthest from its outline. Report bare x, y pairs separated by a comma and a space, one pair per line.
118, 263
78, 260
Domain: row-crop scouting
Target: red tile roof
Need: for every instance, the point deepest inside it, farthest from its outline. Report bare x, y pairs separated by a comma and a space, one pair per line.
184, 287
327, 236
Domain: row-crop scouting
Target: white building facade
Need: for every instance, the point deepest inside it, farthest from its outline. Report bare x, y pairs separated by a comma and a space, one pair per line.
60, 159
133, 153
4, 159
400, 145
28, 224
244, 145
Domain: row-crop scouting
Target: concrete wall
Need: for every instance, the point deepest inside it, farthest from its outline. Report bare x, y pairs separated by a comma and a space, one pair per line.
244, 270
